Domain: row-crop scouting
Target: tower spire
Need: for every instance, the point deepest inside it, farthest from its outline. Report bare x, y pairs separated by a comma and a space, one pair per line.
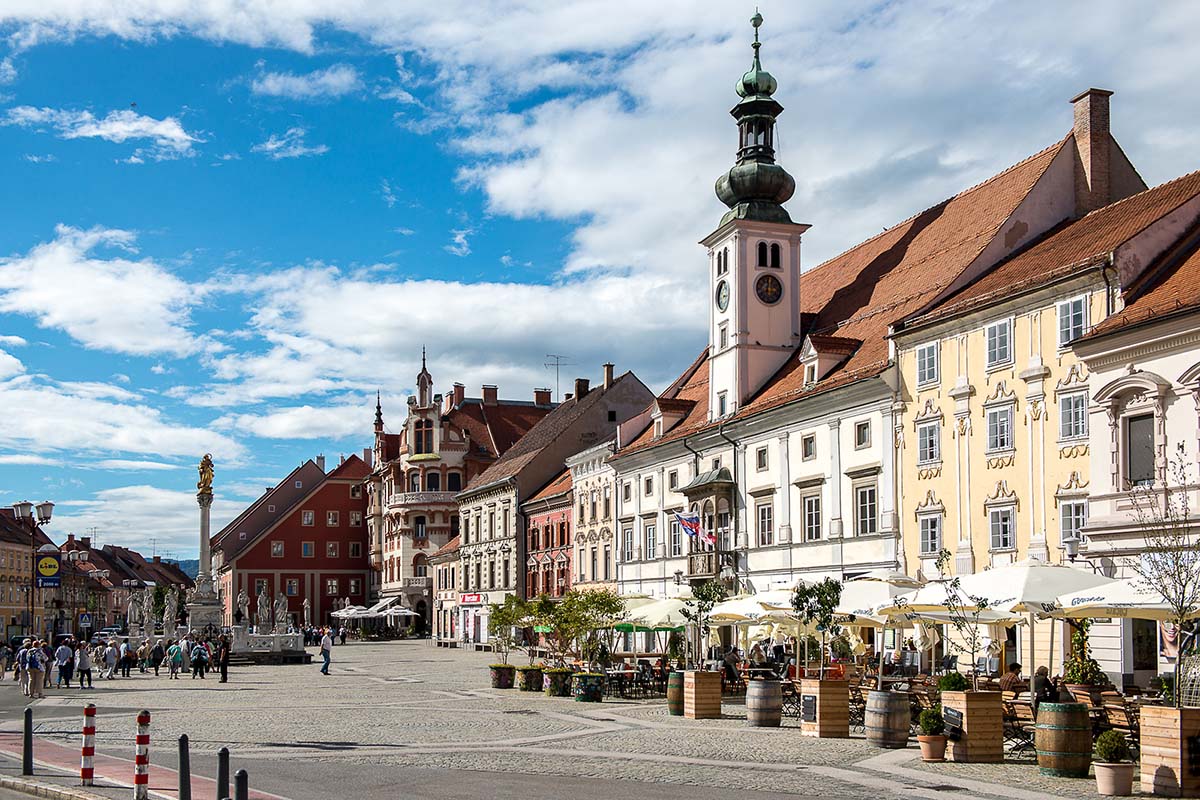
756, 187
378, 413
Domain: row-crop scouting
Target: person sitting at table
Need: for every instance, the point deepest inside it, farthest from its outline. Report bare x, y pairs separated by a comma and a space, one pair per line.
1011, 680
757, 656
1044, 690
731, 663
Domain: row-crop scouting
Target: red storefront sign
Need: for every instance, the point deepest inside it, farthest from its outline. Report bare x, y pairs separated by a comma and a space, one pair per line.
468, 599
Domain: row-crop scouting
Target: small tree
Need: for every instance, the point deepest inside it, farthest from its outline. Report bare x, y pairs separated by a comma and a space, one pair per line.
964, 611
704, 597
816, 604
503, 620
1169, 564
572, 623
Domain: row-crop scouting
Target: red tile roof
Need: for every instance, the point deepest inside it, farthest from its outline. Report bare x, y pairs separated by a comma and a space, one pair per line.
692, 387
559, 484
498, 427
448, 548
1072, 246
1176, 289
858, 294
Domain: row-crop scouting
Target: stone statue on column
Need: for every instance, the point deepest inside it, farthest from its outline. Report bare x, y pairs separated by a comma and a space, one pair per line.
204, 607
148, 610
307, 606
170, 610
262, 614
281, 613
243, 606
133, 609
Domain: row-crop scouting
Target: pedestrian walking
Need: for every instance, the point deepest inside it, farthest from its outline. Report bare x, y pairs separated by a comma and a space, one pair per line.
5, 657
83, 665
64, 656
223, 658
199, 660
326, 651
174, 660
21, 673
35, 665
342, 634
156, 655
126, 658
111, 658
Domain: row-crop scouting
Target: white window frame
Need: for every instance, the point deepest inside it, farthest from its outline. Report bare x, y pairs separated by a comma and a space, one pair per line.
648, 485
996, 363
929, 528
860, 521
308, 549
332, 550
929, 442
1066, 310
308, 518
675, 538
332, 518
722, 404
761, 459
650, 540
810, 505
291, 587
996, 413
929, 368
806, 439
277, 548
1070, 511
627, 543
722, 336
862, 425
996, 514
355, 519
764, 517
1072, 422
331, 587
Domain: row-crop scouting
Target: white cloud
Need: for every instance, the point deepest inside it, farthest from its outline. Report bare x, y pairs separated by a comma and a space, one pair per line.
403, 231
27, 460
399, 95
134, 465
114, 304
459, 244
8, 72
168, 138
40, 159
289, 144
330, 420
385, 191
10, 365
334, 81
13, 341
38, 416
133, 515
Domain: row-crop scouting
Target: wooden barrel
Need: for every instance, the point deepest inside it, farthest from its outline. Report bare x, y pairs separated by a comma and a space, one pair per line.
675, 694
764, 703
1064, 740
887, 719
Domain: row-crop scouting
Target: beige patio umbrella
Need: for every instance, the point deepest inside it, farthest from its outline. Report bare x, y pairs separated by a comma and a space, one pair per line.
1130, 598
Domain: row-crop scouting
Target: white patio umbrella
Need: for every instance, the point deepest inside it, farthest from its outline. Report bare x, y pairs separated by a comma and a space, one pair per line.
738, 609
1130, 598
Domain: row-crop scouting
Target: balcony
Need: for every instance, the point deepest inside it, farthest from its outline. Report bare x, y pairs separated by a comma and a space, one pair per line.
418, 583
411, 499
708, 564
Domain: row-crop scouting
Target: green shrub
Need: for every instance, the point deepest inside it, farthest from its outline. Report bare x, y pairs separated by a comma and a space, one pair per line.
1085, 671
953, 682
1111, 748
931, 721
500, 666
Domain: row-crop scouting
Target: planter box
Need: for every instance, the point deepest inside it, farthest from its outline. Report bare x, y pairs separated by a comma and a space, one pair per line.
557, 684
825, 708
981, 739
502, 676
1169, 760
701, 694
529, 679
589, 687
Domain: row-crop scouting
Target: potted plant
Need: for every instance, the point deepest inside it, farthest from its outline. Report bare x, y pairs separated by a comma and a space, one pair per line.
701, 687
953, 682
503, 619
932, 737
529, 678
1082, 674
1169, 566
816, 605
1114, 766
556, 681
589, 687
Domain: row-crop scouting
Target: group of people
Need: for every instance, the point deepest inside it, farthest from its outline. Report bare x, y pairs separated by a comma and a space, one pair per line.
1041, 689
37, 663
312, 634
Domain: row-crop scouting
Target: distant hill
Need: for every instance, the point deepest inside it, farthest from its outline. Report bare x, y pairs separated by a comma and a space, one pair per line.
190, 567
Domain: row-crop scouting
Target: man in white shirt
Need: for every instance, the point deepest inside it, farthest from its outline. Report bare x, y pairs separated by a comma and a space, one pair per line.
63, 658
326, 649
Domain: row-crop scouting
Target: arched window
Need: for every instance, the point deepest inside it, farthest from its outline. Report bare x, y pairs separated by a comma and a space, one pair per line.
762, 254
423, 436
433, 482
414, 481
420, 565
775, 255
454, 482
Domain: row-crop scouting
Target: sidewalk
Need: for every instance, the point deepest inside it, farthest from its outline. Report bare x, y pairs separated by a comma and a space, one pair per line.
56, 775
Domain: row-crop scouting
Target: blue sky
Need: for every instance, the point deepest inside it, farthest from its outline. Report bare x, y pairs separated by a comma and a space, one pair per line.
227, 225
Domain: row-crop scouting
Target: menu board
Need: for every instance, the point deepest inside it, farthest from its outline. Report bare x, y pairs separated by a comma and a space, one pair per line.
954, 722
808, 707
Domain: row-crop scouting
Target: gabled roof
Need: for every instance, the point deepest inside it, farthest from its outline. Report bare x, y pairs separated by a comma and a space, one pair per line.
1071, 247
836, 345
258, 516
1165, 293
448, 549
547, 430
495, 428
352, 468
855, 296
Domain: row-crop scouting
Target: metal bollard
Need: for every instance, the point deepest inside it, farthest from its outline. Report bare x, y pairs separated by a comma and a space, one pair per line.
185, 769
141, 758
27, 743
223, 773
87, 752
241, 785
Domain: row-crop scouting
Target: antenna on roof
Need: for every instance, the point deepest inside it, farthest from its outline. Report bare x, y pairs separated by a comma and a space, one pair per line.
557, 361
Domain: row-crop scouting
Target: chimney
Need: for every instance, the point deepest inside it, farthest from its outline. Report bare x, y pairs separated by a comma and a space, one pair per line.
460, 392
321, 462
489, 395
86, 542
581, 387
157, 559
1092, 142
367, 456
567, 396
541, 397
70, 541
608, 375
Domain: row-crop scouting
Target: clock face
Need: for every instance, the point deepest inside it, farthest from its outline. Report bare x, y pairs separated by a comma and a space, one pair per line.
722, 295
769, 289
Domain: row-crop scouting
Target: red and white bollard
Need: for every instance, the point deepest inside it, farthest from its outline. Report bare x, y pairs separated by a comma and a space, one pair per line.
141, 758
88, 752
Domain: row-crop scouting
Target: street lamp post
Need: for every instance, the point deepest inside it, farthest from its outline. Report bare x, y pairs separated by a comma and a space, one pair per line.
25, 512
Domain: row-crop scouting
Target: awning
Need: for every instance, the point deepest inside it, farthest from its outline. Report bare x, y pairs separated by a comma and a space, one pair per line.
381, 605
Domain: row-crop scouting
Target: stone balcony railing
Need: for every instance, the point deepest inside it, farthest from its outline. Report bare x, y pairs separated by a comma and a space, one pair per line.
404, 499
418, 583
708, 564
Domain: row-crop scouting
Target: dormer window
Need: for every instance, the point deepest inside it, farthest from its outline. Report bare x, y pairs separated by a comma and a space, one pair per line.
722, 404
810, 373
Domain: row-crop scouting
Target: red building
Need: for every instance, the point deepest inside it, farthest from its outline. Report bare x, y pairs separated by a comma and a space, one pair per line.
306, 537
548, 516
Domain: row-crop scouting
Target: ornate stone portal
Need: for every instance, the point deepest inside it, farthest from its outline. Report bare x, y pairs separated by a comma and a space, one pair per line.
203, 602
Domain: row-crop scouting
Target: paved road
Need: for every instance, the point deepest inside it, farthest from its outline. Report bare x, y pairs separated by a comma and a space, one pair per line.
420, 722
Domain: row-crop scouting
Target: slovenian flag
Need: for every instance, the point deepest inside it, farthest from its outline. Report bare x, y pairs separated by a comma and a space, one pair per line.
689, 522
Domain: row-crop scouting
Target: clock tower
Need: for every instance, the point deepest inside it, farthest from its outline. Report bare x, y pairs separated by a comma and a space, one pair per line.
753, 255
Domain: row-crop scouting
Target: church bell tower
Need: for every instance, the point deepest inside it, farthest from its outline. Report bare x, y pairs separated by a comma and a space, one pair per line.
753, 255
